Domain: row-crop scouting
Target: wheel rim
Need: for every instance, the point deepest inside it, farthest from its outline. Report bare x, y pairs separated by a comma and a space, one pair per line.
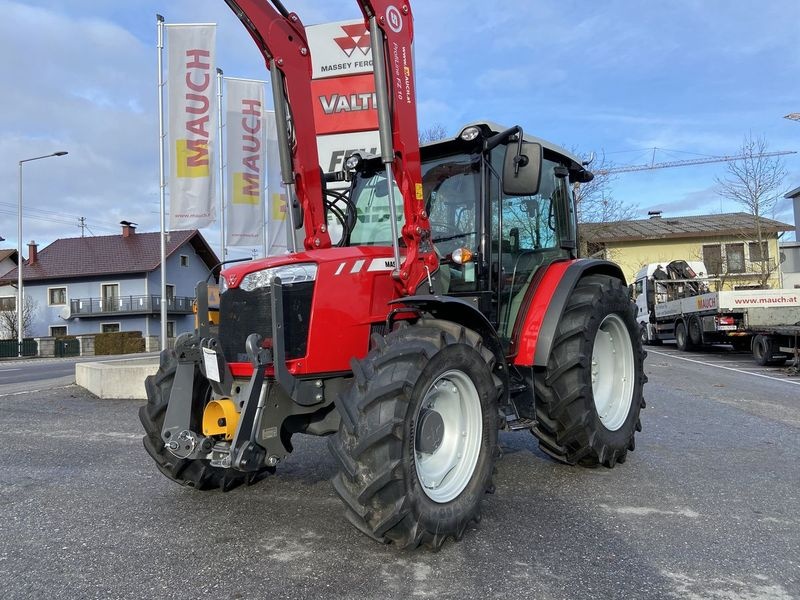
448, 436
612, 372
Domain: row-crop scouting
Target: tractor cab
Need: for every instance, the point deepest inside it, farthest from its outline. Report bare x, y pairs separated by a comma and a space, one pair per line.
490, 238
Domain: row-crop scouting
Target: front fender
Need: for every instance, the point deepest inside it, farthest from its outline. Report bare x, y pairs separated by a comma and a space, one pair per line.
459, 311
545, 305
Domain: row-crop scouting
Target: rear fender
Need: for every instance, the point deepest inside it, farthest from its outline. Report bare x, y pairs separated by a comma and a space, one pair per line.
547, 304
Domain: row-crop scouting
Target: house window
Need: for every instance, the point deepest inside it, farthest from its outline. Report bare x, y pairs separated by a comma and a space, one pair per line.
758, 252
58, 331
109, 327
184, 260
170, 329
110, 294
57, 296
8, 303
734, 254
712, 257
170, 293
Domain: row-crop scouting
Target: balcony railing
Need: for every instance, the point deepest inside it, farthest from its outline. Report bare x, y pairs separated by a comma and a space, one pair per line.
128, 305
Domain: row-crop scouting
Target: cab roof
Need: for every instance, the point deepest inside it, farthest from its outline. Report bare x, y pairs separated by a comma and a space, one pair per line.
490, 127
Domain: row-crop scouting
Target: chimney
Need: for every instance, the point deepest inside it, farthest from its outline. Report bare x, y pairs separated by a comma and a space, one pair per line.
128, 228
33, 253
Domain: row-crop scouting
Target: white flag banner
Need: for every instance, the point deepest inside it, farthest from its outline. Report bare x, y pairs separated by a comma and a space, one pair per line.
277, 222
191, 87
246, 149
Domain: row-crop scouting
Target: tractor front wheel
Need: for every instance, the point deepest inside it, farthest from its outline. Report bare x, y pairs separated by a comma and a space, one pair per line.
196, 473
418, 436
589, 396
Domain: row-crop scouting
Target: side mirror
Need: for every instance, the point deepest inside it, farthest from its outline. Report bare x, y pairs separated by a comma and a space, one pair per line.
522, 169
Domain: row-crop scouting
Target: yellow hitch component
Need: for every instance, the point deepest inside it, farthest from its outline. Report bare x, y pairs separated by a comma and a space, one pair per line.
220, 417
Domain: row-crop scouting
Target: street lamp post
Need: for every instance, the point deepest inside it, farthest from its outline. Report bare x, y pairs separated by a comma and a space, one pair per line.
20, 295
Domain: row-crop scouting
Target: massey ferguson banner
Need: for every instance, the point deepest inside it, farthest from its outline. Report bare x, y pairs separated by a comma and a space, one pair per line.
246, 161
192, 125
345, 112
339, 49
345, 104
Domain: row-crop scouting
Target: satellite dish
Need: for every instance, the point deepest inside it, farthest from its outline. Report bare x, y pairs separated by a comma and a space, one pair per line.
65, 313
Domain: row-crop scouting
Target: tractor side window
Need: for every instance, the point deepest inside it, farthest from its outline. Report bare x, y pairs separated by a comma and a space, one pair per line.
373, 223
451, 189
529, 229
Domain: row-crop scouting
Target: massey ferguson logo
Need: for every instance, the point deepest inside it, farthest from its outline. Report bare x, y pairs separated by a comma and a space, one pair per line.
394, 19
356, 37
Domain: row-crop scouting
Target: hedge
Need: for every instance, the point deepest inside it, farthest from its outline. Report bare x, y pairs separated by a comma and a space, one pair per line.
118, 342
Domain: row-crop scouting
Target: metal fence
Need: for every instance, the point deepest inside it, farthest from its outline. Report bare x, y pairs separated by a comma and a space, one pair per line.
67, 347
10, 348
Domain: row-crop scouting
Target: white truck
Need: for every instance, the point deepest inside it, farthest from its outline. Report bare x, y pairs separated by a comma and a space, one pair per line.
675, 301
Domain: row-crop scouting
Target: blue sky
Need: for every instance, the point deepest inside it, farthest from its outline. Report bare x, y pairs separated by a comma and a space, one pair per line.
620, 77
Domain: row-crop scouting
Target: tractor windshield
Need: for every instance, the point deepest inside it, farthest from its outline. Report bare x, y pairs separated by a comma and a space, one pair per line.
370, 202
451, 187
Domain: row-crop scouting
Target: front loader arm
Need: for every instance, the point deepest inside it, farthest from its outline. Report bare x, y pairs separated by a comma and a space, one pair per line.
281, 38
391, 30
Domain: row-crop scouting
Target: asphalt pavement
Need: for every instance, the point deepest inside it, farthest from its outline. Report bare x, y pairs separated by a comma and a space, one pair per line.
27, 375
708, 506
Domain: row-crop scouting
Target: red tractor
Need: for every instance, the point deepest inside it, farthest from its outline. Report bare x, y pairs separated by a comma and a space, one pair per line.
452, 306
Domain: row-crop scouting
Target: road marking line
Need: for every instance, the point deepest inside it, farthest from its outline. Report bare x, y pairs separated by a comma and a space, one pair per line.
59, 387
700, 362
7, 370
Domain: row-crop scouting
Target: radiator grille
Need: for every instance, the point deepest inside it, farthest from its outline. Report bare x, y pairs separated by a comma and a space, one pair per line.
243, 313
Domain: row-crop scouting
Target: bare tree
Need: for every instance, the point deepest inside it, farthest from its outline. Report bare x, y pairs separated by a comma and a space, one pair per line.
756, 183
595, 201
433, 133
8, 318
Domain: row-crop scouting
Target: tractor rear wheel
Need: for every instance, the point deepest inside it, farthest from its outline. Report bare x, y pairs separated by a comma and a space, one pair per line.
418, 436
195, 473
589, 396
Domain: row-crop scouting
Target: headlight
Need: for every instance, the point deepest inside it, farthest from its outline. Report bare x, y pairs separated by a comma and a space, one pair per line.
223, 283
351, 164
288, 274
470, 133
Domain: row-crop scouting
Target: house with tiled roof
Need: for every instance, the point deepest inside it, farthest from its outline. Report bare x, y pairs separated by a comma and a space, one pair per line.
8, 292
726, 243
108, 283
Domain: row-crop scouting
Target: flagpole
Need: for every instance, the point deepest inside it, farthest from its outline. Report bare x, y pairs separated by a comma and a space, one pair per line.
221, 163
162, 182
264, 207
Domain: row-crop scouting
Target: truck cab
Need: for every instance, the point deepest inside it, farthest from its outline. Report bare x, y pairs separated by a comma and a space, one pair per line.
657, 283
